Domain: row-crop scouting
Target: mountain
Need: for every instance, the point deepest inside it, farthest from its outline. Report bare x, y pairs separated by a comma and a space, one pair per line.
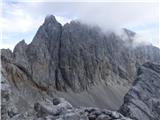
78, 62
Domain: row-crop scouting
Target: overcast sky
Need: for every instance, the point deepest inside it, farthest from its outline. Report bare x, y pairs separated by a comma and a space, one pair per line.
20, 20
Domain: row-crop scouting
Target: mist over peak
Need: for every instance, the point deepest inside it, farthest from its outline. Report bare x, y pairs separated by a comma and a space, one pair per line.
27, 16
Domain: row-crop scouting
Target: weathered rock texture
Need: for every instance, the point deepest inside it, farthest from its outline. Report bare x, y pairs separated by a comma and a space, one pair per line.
76, 60
50, 112
65, 111
86, 66
19, 105
142, 102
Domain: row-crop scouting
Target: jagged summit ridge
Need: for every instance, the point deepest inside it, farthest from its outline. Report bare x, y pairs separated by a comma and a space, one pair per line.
78, 58
50, 18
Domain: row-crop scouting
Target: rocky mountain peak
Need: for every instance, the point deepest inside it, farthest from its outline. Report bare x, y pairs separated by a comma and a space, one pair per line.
20, 46
129, 32
50, 19
48, 33
50, 23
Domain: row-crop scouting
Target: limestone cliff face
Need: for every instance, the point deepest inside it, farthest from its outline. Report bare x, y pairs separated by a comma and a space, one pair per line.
79, 58
142, 102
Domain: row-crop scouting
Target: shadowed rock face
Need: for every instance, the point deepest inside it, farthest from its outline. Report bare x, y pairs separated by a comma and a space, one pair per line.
142, 102
76, 58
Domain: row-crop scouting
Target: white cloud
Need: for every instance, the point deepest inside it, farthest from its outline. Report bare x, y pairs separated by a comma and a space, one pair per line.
85, 0
17, 23
62, 20
6, 46
16, 19
150, 36
26, 17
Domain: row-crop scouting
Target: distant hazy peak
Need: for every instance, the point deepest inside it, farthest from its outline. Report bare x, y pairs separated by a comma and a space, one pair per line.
129, 32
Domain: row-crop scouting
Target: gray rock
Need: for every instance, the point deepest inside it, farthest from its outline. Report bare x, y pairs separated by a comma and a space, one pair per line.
77, 56
79, 61
6, 55
8, 108
56, 101
47, 107
142, 102
50, 111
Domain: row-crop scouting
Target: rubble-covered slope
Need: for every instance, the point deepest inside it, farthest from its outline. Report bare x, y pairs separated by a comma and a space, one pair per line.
16, 105
140, 103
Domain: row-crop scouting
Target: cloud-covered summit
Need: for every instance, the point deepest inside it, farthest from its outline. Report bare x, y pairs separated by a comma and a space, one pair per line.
20, 20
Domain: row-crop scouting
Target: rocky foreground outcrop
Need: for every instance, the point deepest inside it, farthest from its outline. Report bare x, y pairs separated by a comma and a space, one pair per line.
142, 102
47, 109
59, 109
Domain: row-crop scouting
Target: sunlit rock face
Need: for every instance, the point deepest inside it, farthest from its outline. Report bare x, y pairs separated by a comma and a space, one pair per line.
79, 62
142, 102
